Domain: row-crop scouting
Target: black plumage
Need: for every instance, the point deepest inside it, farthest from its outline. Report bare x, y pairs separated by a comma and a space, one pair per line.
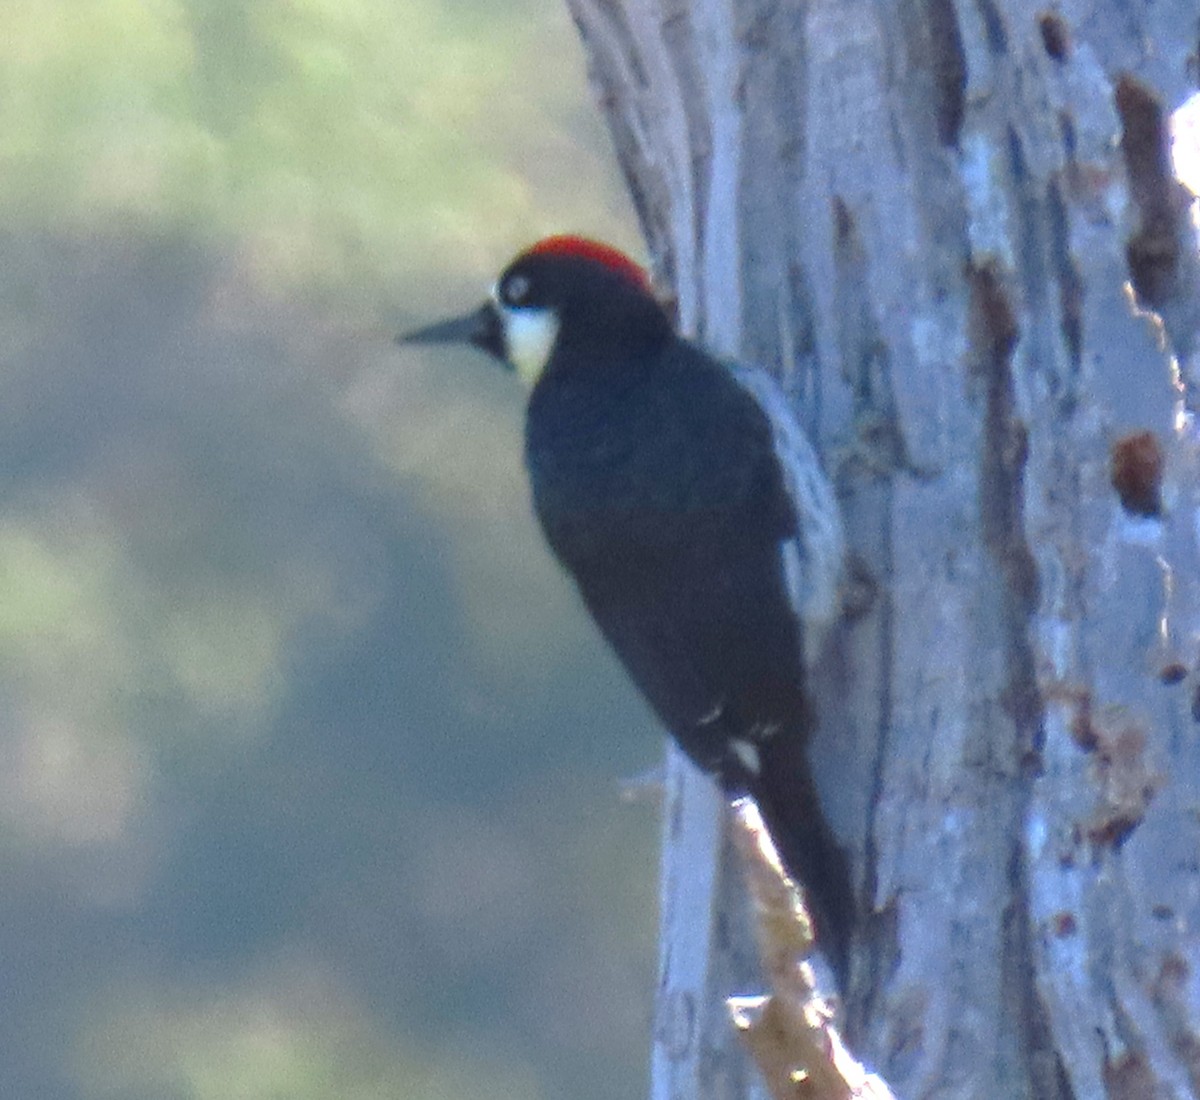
662, 485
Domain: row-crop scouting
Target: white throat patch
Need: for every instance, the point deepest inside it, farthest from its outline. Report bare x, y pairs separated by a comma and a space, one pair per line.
529, 336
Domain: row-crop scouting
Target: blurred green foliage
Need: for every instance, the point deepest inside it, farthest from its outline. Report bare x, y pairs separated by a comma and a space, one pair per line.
310, 753
340, 143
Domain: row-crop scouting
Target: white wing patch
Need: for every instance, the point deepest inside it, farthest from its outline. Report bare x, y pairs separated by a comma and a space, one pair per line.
814, 558
747, 754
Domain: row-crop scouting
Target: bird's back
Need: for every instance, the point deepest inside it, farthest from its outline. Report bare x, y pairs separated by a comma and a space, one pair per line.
661, 494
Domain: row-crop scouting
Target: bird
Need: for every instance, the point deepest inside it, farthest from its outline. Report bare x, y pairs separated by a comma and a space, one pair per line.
681, 495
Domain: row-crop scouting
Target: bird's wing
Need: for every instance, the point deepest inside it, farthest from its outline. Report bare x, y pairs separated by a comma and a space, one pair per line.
814, 554
709, 639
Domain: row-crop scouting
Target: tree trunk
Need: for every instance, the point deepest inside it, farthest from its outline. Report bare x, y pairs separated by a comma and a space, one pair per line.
953, 230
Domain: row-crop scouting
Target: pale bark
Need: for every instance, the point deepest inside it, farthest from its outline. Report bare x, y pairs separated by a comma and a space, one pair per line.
926, 215
792, 1031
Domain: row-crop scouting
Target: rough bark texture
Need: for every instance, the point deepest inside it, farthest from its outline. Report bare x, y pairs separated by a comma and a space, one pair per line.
937, 219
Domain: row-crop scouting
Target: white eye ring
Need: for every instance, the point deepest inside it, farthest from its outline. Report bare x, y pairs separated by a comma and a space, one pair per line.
515, 290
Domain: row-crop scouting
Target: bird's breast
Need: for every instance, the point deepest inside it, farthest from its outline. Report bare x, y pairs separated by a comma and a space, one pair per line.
637, 475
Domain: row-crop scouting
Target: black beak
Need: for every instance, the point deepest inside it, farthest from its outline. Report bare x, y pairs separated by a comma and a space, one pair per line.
481, 328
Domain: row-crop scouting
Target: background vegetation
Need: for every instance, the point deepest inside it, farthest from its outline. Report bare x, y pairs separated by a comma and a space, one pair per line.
310, 758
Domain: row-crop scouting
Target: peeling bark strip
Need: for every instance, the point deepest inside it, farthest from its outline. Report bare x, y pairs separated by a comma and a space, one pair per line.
791, 1032
940, 221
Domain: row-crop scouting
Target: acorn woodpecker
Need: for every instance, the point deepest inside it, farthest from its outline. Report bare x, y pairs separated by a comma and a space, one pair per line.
693, 515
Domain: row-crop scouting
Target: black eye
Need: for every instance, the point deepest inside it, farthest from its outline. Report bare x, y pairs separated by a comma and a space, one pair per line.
515, 290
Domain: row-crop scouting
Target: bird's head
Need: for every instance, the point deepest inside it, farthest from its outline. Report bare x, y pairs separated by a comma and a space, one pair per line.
562, 291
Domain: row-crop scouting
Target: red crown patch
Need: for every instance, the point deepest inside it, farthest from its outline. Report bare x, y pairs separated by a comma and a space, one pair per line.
567, 244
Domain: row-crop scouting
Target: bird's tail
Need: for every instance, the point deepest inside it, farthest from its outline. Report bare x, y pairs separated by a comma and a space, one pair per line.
811, 855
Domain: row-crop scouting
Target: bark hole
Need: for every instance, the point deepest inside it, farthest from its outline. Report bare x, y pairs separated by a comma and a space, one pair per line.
1136, 472
1154, 249
1172, 673
1056, 36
